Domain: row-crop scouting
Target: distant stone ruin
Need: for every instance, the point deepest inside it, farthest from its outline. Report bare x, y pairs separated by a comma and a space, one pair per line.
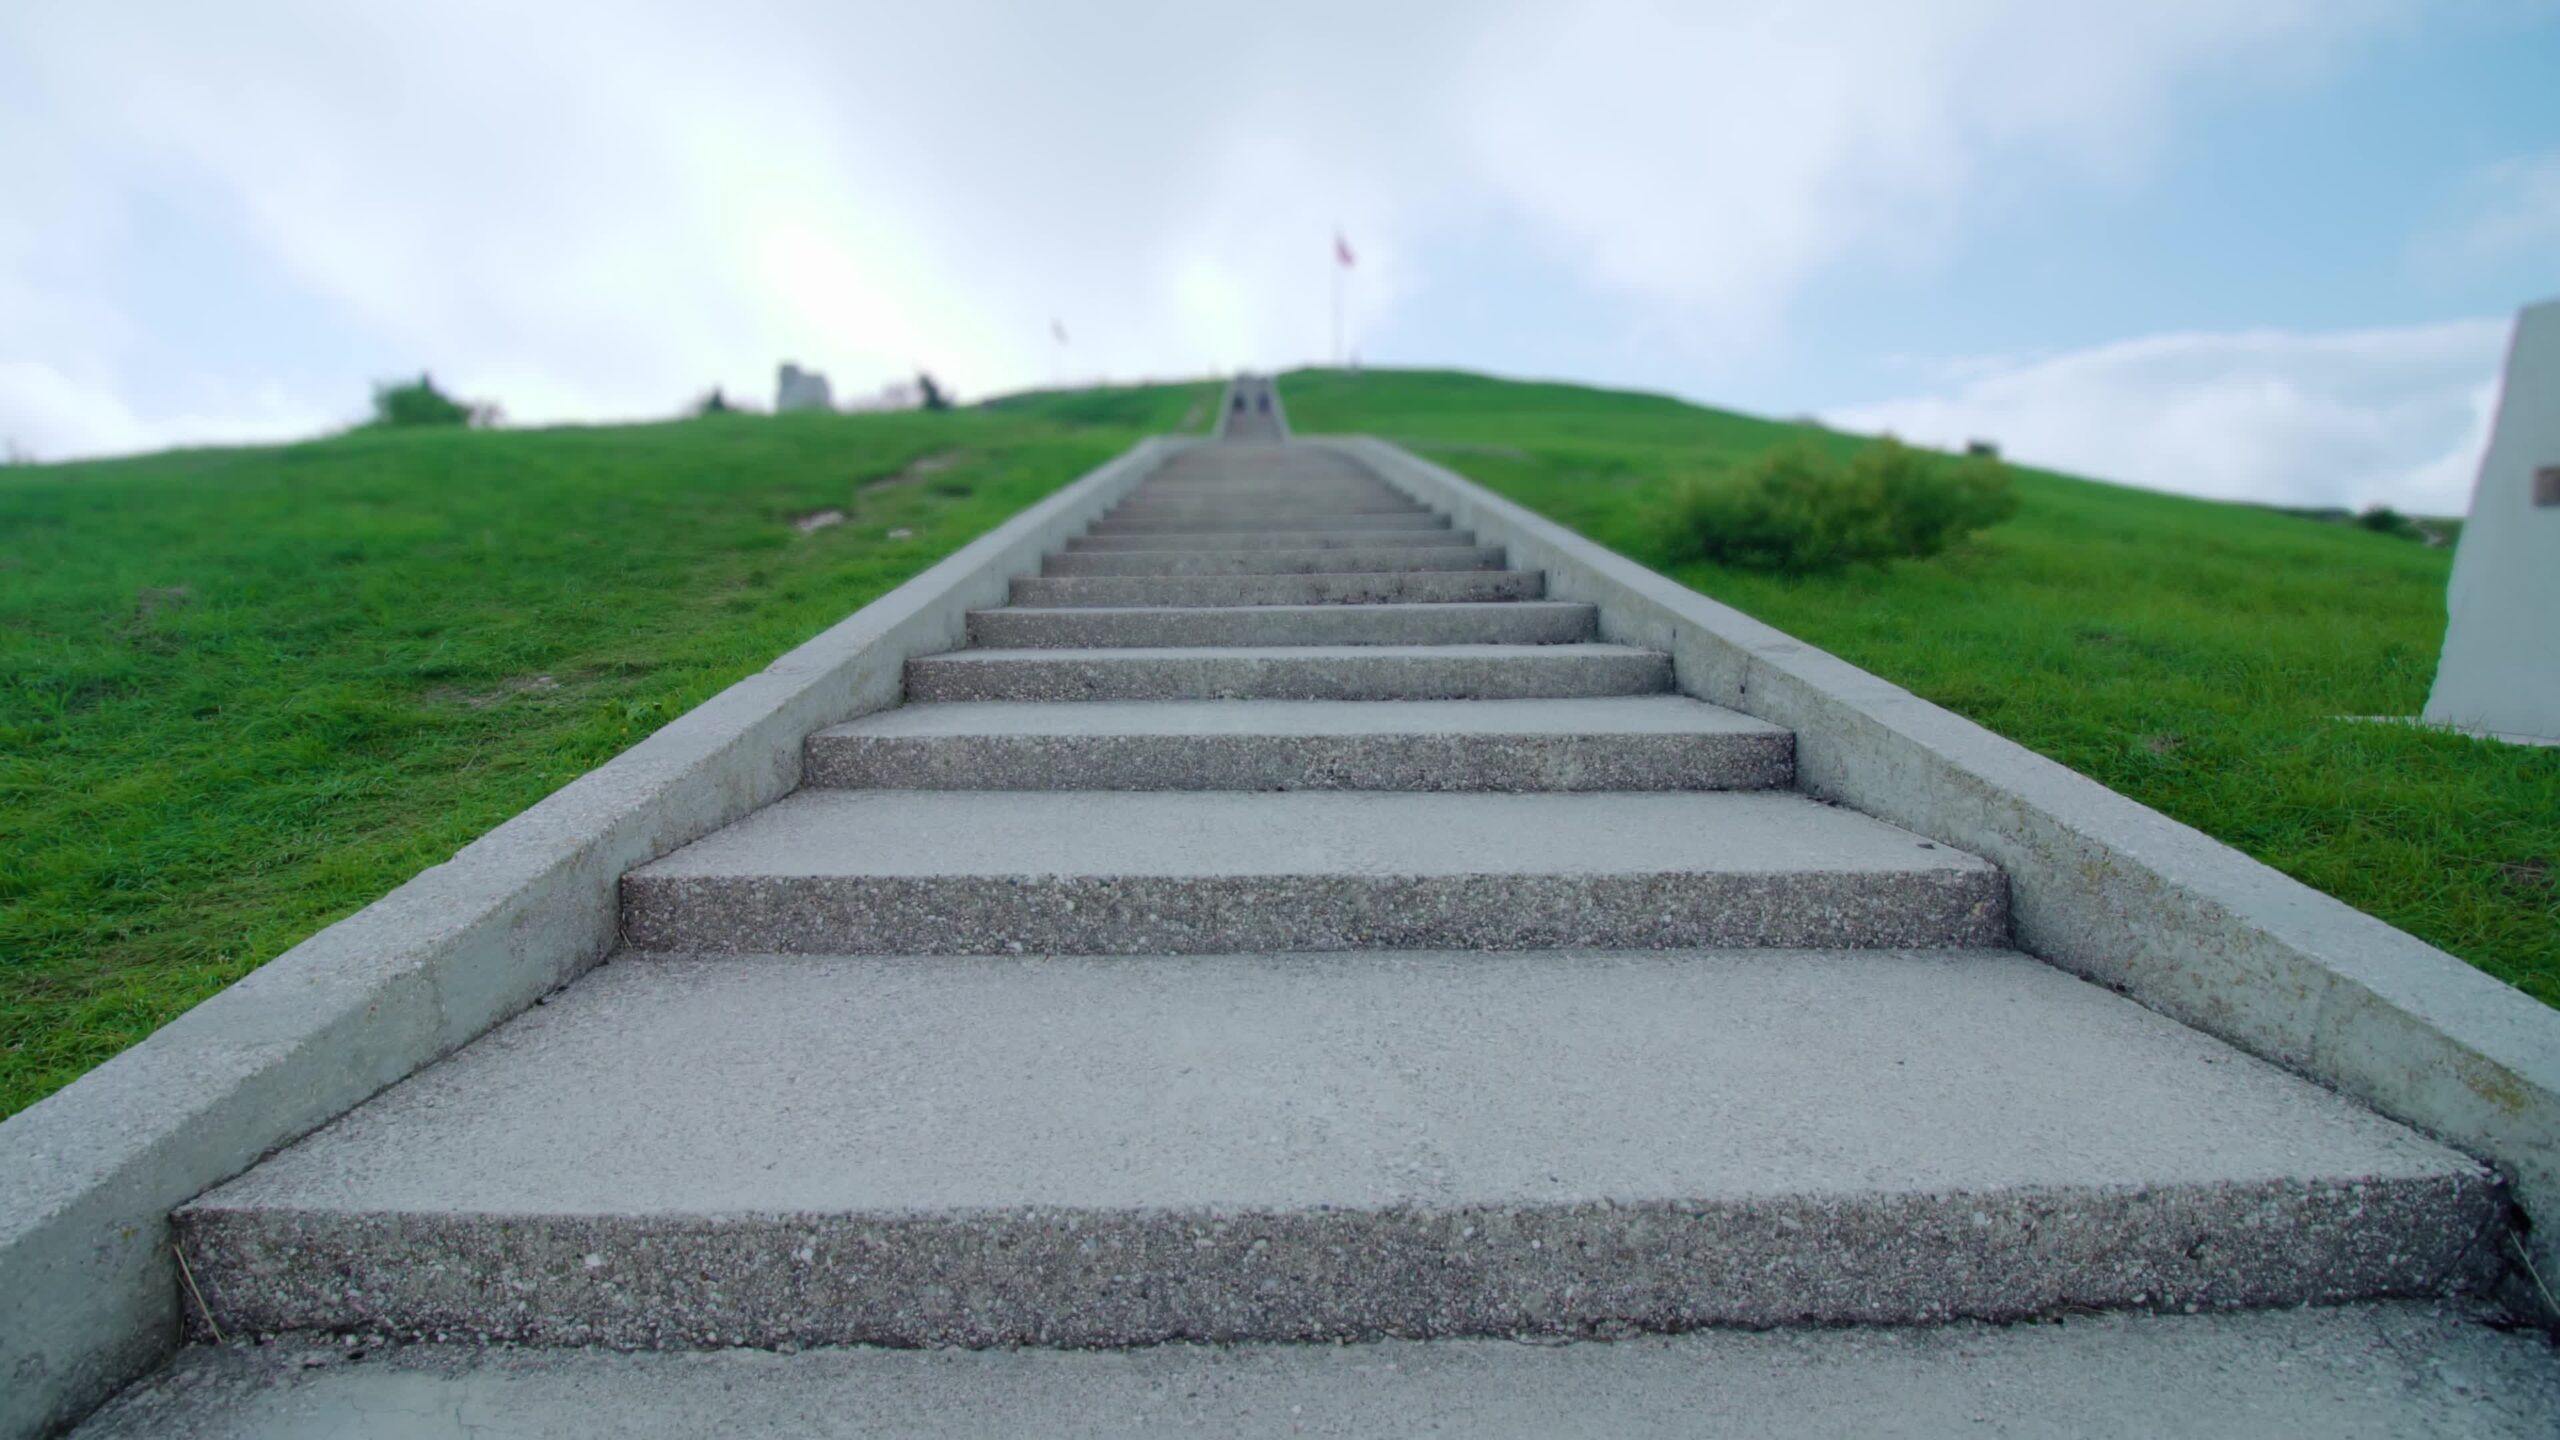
798, 389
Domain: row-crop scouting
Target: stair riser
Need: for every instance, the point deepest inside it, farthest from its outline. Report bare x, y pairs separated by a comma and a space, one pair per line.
1324, 762
1216, 523
1320, 677
1525, 624
1117, 1278
1284, 540
1224, 490
1141, 506
1218, 915
1414, 587
1273, 562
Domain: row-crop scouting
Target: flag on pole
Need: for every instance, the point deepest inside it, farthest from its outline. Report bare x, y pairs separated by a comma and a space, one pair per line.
1342, 251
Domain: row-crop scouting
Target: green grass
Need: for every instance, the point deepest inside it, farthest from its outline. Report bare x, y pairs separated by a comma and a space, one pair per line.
245, 692
2189, 654
1156, 409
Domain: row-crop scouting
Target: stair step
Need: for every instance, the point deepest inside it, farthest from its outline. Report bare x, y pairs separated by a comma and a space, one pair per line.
1076, 1152
1655, 742
2404, 1369
1115, 524
1179, 491
1277, 540
1380, 502
1272, 562
1382, 588
1120, 872
1291, 672
1533, 622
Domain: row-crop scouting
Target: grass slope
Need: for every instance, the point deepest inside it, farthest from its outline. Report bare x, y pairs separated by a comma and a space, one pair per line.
244, 692
2189, 654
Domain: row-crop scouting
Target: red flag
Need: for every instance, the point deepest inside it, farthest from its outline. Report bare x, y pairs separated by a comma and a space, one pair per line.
1342, 251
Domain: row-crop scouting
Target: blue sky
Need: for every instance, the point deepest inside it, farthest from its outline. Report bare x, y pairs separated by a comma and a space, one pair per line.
2261, 250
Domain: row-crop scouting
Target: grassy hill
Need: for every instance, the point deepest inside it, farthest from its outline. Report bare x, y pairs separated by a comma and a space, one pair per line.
244, 692
2189, 654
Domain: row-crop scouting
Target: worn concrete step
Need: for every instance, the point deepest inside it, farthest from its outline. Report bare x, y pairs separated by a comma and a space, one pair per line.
1417, 587
1652, 742
1534, 622
1291, 672
2395, 1370
1262, 488
1115, 524
1143, 872
1216, 462
1409, 587
1273, 562
1378, 501
1277, 540
1077, 1152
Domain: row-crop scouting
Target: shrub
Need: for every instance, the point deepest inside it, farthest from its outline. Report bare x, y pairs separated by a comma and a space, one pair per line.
715, 403
932, 396
419, 402
1801, 510
2383, 520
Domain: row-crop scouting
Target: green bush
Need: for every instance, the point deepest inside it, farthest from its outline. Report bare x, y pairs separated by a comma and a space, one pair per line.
419, 402
1801, 510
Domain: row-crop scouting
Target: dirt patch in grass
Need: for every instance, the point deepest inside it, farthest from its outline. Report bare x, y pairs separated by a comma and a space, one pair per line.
152, 599
918, 470
2528, 878
504, 691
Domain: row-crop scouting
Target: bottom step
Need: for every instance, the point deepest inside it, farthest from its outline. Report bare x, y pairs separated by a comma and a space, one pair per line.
2383, 1371
1106, 1152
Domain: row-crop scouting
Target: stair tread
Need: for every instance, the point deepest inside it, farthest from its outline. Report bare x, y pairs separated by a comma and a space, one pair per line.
2408, 1369
1604, 715
671, 1085
1121, 833
1361, 654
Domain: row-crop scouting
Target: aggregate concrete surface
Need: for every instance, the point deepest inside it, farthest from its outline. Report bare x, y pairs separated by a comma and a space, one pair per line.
2363, 1372
1276, 540
1271, 562
1126, 872
1654, 742
1291, 672
1382, 588
1125, 833
1528, 622
1073, 1152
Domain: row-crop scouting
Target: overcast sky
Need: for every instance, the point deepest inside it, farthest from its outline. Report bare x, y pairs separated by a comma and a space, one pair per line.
2260, 248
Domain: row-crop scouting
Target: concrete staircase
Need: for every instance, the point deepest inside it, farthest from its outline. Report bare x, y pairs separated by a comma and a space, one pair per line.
1283, 924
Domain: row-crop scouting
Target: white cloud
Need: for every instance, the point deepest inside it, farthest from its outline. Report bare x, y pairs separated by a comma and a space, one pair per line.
46, 414
2392, 416
1716, 158
585, 210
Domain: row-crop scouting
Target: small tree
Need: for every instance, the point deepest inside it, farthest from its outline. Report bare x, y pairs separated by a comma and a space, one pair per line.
934, 399
715, 403
419, 402
2383, 520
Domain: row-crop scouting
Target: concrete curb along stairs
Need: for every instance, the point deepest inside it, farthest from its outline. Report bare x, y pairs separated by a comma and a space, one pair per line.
1320, 978
1203, 959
